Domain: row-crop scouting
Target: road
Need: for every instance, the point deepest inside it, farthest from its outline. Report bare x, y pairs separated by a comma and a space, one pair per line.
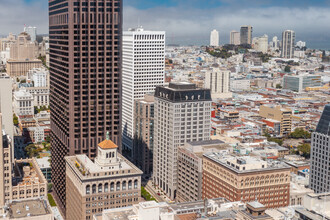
152, 191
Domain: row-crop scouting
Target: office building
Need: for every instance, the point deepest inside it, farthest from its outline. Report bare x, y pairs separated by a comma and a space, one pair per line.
17, 68
218, 81
182, 114
85, 80
214, 38
190, 168
246, 179
6, 104
279, 114
275, 43
32, 31
261, 44
235, 38
23, 103
23, 48
109, 182
240, 84
144, 133
39, 77
288, 44
19, 179
246, 34
44, 166
301, 82
24, 209
143, 71
319, 179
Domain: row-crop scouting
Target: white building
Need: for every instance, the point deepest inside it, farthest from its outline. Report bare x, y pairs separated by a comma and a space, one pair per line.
40, 96
214, 38
23, 103
288, 39
6, 106
218, 81
261, 44
240, 84
235, 38
4, 56
301, 44
182, 114
38, 133
143, 70
32, 31
39, 76
275, 43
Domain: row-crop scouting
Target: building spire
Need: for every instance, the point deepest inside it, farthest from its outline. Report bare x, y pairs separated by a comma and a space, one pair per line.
108, 135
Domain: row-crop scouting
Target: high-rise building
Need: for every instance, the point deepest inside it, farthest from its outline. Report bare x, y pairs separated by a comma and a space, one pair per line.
319, 179
85, 80
275, 43
32, 31
109, 182
284, 116
182, 114
218, 81
214, 38
301, 82
261, 44
246, 34
246, 179
144, 133
288, 44
301, 44
143, 70
6, 104
235, 38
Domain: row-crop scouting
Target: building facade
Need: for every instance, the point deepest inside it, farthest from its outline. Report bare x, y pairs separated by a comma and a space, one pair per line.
109, 182
261, 44
319, 179
288, 44
144, 133
246, 34
6, 104
143, 71
39, 76
279, 114
190, 168
300, 83
32, 31
85, 80
214, 38
246, 179
218, 81
235, 38
16, 68
182, 114
23, 103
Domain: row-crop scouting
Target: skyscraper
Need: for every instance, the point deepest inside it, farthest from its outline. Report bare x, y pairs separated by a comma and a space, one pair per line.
143, 71
319, 179
246, 34
182, 114
32, 31
218, 81
288, 42
85, 62
235, 38
214, 38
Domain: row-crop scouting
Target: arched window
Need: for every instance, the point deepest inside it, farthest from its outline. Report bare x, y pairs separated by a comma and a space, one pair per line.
88, 189
94, 188
42, 190
129, 184
106, 187
135, 184
118, 186
124, 185
100, 188
112, 187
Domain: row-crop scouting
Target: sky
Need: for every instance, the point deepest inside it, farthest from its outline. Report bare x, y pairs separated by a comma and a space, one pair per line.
189, 22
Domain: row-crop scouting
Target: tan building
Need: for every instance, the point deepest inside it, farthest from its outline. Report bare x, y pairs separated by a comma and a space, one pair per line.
20, 180
23, 48
190, 168
144, 134
254, 210
246, 179
17, 68
109, 182
280, 114
28, 209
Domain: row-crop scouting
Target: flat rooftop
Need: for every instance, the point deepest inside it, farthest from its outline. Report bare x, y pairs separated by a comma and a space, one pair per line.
206, 142
26, 208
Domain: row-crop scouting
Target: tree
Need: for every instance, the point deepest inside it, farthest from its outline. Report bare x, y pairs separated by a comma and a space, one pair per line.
15, 120
278, 86
305, 149
300, 133
287, 69
32, 150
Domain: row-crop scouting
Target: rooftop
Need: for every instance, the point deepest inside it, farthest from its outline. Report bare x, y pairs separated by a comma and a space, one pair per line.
28, 208
107, 144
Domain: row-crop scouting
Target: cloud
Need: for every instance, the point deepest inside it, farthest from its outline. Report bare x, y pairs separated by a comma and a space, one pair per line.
15, 13
194, 25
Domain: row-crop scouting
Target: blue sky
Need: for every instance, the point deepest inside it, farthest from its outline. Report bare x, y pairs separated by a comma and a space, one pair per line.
190, 21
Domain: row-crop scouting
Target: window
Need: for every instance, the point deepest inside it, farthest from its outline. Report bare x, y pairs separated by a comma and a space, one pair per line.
106, 187
94, 189
100, 188
124, 185
129, 184
135, 184
88, 189
112, 187
117, 186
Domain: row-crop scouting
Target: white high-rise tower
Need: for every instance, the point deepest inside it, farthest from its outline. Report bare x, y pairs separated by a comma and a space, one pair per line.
288, 43
143, 70
214, 38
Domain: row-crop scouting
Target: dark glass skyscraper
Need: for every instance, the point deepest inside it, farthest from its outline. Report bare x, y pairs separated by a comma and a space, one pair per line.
85, 56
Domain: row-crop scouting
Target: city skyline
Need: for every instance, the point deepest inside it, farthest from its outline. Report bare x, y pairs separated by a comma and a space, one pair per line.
306, 18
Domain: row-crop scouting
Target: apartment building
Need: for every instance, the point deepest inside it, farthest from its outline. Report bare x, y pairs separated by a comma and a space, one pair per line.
109, 182
246, 179
190, 168
182, 114
218, 81
280, 114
